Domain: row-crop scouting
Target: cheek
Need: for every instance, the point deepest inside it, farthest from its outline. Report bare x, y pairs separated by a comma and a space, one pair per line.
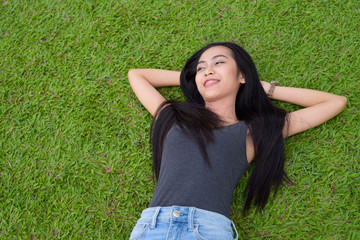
197, 82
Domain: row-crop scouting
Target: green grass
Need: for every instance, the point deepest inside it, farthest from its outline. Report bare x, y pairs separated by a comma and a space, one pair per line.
75, 162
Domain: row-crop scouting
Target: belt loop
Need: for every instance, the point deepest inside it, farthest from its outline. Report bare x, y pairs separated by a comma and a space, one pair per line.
237, 235
153, 221
191, 219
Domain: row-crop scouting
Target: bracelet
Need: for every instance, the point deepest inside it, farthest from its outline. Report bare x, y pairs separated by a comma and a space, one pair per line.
271, 89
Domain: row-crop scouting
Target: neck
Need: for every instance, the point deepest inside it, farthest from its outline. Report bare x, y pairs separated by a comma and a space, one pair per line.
225, 110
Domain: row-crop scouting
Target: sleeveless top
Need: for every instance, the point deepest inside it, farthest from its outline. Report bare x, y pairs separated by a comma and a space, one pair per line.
185, 179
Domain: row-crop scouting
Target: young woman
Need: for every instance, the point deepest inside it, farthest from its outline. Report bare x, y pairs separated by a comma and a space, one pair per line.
202, 147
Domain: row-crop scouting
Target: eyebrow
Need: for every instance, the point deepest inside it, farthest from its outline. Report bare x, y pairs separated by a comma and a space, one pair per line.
220, 55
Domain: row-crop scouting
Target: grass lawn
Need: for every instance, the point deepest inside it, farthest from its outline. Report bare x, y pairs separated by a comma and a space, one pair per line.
75, 161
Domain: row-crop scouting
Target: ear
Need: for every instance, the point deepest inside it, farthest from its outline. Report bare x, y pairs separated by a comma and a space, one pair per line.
242, 78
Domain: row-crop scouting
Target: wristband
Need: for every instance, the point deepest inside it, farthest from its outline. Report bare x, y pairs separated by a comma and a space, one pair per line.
271, 89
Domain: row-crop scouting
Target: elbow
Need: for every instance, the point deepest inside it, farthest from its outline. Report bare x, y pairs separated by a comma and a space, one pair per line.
132, 73
342, 102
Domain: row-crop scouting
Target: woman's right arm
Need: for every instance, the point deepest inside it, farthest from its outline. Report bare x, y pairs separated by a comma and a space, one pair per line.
145, 81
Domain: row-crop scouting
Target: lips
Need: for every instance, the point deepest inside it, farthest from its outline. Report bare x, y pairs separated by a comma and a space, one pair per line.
210, 82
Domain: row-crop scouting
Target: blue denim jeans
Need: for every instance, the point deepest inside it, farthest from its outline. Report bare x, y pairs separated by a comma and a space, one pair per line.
182, 223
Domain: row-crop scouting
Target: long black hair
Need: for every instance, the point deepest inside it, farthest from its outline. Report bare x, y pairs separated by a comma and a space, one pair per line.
265, 122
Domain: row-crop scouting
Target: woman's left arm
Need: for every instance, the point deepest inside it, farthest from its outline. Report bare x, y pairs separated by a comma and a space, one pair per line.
318, 107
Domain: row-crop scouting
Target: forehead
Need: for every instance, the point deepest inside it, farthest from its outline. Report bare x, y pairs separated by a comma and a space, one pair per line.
215, 51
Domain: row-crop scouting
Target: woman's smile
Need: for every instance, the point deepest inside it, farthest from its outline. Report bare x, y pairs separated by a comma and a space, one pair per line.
210, 82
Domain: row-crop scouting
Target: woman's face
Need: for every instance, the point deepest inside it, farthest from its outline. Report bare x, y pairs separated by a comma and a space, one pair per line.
217, 75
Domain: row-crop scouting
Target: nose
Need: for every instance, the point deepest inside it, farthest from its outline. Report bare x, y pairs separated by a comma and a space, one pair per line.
209, 71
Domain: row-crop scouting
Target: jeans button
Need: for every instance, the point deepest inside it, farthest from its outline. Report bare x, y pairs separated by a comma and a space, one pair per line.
176, 213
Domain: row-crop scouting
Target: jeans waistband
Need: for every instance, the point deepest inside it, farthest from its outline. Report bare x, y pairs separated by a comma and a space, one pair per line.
191, 215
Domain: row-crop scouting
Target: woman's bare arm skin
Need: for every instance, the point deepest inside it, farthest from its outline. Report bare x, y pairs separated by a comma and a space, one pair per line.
145, 81
318, 107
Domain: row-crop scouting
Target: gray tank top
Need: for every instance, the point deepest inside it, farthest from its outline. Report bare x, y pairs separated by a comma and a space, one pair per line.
185, 180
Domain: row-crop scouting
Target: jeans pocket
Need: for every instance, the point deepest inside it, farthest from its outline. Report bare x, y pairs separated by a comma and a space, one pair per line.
210, 232
138, 231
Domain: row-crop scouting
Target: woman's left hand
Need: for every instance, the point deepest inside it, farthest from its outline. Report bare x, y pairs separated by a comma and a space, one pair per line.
266, 86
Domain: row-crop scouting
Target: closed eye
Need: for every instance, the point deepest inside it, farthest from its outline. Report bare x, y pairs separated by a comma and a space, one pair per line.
200, 68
